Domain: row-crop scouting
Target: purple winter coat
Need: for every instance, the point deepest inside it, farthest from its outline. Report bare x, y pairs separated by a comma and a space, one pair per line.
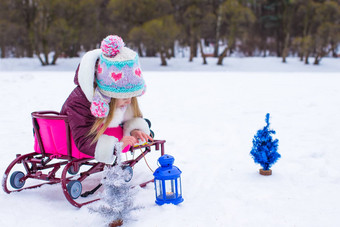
77, 108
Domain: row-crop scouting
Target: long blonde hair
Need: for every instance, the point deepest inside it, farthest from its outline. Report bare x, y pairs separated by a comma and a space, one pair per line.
101, 124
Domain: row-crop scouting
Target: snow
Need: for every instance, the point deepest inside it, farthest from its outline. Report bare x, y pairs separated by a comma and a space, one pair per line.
208, 115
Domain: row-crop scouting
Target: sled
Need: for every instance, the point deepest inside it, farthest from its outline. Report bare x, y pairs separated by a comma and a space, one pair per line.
56, 159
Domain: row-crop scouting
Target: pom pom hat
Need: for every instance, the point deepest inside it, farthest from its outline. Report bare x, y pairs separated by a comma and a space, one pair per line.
118, 75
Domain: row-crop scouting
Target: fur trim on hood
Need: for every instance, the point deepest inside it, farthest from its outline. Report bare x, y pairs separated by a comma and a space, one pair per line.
86, 72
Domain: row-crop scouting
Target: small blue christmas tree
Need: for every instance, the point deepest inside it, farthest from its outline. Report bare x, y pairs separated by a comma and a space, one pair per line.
264, 151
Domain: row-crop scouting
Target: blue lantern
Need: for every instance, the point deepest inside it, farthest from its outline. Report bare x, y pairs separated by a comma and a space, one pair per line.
168, 181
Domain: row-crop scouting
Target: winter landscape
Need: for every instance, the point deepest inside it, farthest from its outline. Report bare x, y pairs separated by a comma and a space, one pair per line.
208, 115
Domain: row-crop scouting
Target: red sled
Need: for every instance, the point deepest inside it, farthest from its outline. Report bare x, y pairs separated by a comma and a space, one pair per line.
54, 149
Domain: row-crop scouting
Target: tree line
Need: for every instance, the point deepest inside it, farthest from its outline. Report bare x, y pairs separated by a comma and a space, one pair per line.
304, 28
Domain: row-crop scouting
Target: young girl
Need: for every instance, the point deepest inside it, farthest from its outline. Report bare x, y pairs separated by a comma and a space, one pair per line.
108, 81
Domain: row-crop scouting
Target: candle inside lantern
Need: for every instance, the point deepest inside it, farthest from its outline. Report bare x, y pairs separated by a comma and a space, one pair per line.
170, 195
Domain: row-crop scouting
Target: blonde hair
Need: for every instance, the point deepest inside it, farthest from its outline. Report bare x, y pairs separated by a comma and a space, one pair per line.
101, 124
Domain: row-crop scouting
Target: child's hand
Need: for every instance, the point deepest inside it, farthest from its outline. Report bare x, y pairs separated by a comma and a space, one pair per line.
128, 140
140, 135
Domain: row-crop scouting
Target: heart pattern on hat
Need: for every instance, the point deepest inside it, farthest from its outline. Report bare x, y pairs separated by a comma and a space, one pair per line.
138, 72
116, 76
99, 69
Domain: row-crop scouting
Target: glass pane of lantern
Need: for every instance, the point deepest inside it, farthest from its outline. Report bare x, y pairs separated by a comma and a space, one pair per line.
179, 186
159, 190
170, 189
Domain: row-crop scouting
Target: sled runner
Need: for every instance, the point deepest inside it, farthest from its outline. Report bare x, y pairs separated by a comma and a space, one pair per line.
54, 150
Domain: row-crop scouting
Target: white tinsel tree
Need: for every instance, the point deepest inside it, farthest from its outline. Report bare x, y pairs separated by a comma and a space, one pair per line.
117, 199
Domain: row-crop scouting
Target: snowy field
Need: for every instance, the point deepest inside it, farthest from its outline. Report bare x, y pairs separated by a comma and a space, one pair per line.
208, 115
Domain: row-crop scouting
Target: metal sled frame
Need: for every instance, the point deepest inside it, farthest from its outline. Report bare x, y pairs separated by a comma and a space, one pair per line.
34, 163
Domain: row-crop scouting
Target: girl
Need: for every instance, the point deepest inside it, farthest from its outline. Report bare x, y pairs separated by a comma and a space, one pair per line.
108, 81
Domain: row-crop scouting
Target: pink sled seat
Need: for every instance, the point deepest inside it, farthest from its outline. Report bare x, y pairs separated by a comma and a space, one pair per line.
53, 136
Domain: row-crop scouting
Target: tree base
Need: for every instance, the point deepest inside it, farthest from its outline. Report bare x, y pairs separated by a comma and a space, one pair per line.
115, 223
266, 172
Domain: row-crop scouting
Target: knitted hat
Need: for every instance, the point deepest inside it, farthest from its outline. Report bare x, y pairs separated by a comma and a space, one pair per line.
118, 75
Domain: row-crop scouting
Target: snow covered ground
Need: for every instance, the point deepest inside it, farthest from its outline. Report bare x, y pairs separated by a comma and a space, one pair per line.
208, 115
